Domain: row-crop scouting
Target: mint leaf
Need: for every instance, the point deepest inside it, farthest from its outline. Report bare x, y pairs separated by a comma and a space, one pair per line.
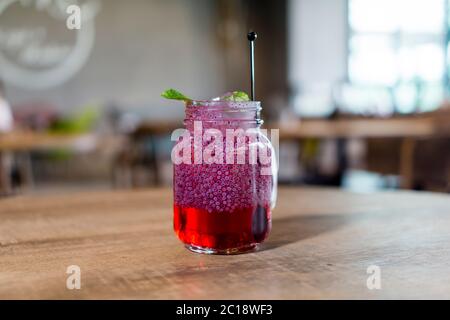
174, 95
237, 96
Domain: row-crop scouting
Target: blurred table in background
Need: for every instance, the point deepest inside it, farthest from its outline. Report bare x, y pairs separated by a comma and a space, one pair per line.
322, 243
29, 141
417, 126
409, 129
20, 143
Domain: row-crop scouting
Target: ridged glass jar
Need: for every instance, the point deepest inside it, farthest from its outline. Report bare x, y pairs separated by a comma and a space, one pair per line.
225, 186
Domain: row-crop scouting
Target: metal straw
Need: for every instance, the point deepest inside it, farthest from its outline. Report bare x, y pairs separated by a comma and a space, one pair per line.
251, 36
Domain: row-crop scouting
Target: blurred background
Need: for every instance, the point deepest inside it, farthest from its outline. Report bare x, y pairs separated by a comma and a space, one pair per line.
358, 88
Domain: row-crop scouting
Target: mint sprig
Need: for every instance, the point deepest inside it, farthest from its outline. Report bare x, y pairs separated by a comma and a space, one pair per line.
174, 95
237, 96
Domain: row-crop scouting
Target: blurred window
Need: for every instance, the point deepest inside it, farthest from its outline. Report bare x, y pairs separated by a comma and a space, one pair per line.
399, 46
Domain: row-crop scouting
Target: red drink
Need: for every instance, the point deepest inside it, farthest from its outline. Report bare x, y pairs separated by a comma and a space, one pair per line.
242, 228
221, 207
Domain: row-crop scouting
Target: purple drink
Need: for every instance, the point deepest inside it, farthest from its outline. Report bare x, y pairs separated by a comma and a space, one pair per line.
224, 188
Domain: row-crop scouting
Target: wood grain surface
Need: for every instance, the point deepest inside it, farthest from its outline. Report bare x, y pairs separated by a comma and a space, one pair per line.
322, 243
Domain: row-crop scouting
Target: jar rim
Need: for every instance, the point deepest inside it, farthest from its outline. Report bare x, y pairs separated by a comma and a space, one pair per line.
214, 111
220, 104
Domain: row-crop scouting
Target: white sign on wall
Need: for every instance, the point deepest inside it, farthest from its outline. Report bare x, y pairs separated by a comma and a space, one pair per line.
40, 50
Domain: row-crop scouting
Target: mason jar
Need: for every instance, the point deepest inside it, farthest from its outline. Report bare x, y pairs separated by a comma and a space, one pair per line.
225, 178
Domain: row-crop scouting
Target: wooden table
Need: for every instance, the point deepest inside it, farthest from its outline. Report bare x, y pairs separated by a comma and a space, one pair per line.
322, 243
